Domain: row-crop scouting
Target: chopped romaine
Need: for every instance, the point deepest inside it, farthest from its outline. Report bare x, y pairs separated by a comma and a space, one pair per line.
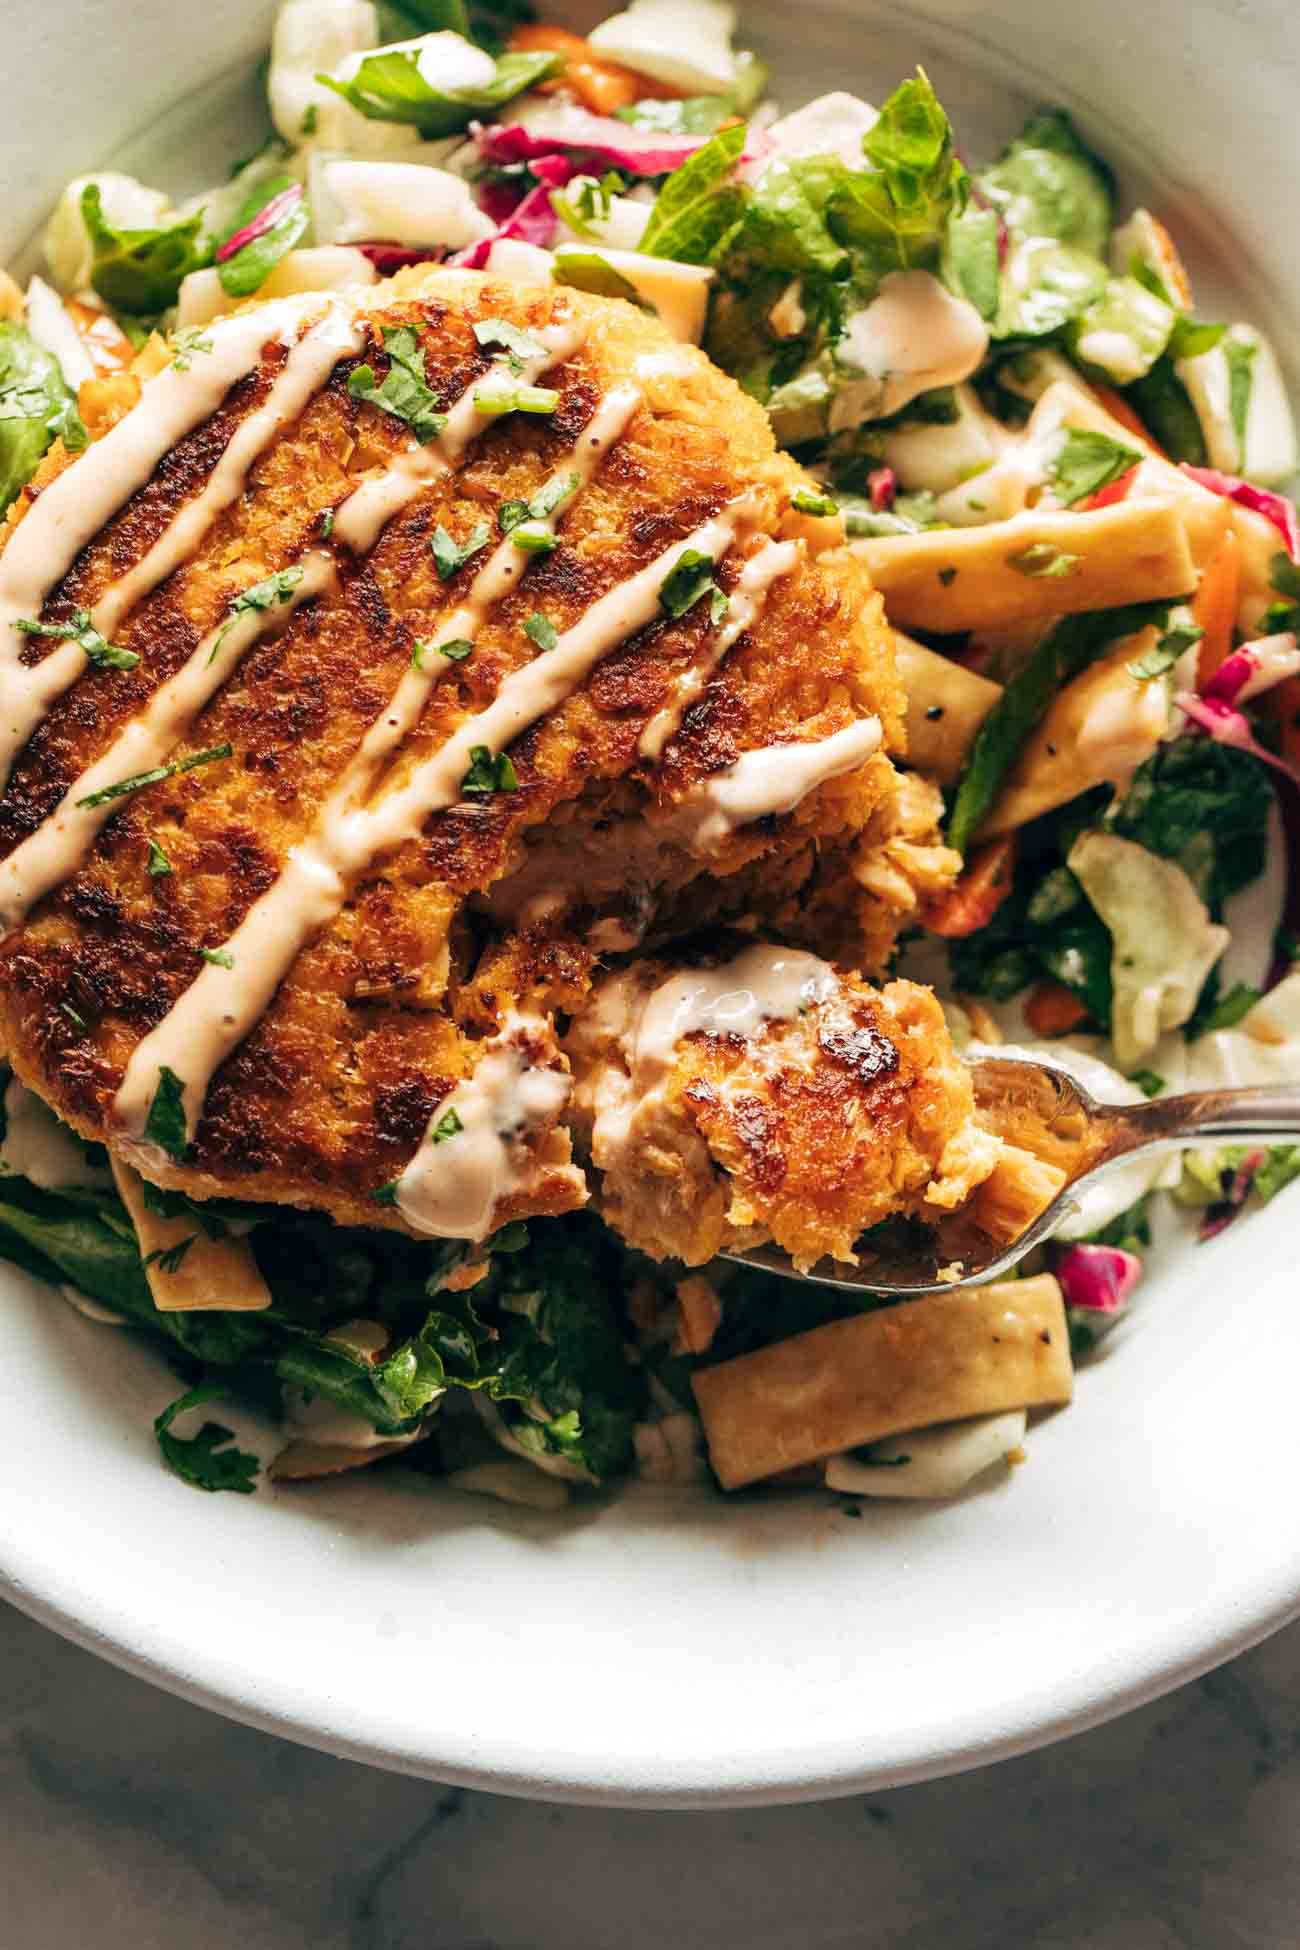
36, 407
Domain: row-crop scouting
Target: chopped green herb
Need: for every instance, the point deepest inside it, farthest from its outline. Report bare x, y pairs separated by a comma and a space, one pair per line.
517, 345
219, 957
542, 631
450, 555
510, 514
80, 630
1042, 560
1165, 654
185, 343
326, 525
1148, 1082
78, 1022
1239, 357
447, 1126
809, 503
1088, 462
493, 401
489, 774
167, 1259
277, 588
159, 864
947, 577
202, 1461
457, 649
160, 772
719, 604
1225, 1014
690, 577
551, 494
533, 538
404, 391
311, 117
165, 1125
385, 1195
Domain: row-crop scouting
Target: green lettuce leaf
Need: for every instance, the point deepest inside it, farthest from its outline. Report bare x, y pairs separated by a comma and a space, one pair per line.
389, 87
204, 1461
36, 407
140, 271
1204, 806
1161, 402
249, 268
698, 205
1048, 183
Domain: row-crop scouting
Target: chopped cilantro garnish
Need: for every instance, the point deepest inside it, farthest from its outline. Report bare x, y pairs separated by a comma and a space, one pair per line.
273, 589
517, 345
404, 391
489, 774
510, 514
78, 1022
160, 772
385, 1194
1148, 1082
202, 1461
189, 340
326, 524
168, 1258
219, 957
1165, 654
1042, 560
541, 629
159, 864
450, 555
1088, 462
551, 495
690, 578
457, 649
80, 630
311, 115
447, 1126
809, 503
165, 1125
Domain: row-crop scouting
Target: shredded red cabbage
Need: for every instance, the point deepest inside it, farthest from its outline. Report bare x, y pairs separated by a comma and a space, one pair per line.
882, 487
388, 258
266, 219
614, 145
1098, 1279
1228, 726
1254, 668
532, 221
1274, 507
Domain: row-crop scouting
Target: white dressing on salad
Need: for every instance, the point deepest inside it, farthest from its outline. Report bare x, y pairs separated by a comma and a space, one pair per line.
53, 853
772, 780
39, 1147
475, 1152
127, 204
404, 203
913, 337
935, 457
685, 43
936, 1462
831, 125
312, 37
769, 562
212, 1016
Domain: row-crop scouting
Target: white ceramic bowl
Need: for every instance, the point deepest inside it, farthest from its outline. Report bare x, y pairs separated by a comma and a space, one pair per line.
662, 1649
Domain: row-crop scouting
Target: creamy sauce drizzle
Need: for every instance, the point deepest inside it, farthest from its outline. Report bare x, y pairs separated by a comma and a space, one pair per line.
762, 984
220, 1007
768, 562
773, 779
71, 511
56, 849
452, 1187
375, 502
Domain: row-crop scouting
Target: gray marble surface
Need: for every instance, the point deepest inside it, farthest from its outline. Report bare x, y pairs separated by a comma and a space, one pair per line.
129, 1821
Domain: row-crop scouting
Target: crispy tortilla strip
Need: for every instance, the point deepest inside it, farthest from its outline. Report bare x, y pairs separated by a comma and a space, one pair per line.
306, 1462
216, 1274
952, 579
941, 1359
946, 705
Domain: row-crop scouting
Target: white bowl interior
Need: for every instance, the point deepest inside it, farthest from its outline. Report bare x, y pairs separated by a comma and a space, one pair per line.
672, 1648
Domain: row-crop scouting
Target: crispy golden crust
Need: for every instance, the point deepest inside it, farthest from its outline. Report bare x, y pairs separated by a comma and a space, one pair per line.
380, 1016
805, 1133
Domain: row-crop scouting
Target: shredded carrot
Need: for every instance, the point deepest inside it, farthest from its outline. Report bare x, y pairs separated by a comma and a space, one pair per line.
1214, 606
972, 901
1119, 409
600, 85
108, 346
1053, 1011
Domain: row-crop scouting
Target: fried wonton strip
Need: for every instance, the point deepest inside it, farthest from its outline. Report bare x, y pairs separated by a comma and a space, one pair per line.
306, 1462
187, 1271
946, 705
940, 1359
1035, 565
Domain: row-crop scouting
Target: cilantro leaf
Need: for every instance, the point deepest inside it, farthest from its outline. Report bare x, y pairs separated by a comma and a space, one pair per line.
1088, 462
404, 391
186, 345
489, 774
390, 87
450, 555
141, 270
166, 1125
273, 589
690, 578
1204, 806
218, 957
1166, 652
80, 630
202, 1461
542, 631
518, 344
448, 1126
159, 772
159, 864
1042, 560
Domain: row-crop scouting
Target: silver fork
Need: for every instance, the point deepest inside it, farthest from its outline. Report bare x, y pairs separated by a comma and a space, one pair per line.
1088, 1138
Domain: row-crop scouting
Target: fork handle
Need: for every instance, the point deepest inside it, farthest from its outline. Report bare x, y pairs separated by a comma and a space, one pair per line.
1201, 1116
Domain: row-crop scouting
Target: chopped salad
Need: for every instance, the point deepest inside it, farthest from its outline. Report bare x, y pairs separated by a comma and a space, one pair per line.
1071, 490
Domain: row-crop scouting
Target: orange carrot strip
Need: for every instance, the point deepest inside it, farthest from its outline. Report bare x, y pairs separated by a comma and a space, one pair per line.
1053, 1011
1214, 606
973, 901
600, 85
109, 348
